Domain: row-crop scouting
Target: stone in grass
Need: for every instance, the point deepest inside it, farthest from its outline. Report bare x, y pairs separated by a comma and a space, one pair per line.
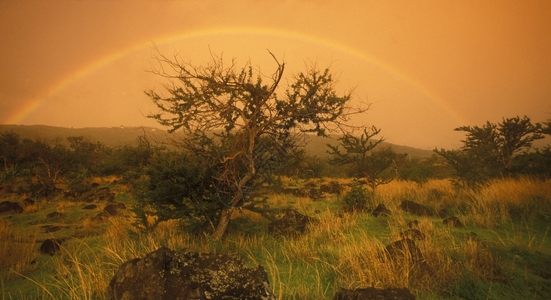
453, 221
90, 206
114, 208
28, 202
413, 234
415, 208
166, 274
50, 246
413, 224
49, 228
381, 210
291, 224
8, 206
405, 249
53, 215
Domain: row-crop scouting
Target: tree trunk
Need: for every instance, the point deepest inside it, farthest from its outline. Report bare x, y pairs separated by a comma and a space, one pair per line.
223, 223
225, 215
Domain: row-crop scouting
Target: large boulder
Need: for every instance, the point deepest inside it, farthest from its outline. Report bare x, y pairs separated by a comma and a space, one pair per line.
292, 224
415, 208
166, 274
372, 293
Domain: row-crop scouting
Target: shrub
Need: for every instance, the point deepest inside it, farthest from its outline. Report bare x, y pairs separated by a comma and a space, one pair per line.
178, 185
357, 198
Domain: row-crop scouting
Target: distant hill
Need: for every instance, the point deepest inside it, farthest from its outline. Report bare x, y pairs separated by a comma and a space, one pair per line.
109, 136
120, 136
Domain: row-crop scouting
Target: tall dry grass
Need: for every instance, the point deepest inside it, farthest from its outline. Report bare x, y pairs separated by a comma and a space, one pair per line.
17, 253
339, 250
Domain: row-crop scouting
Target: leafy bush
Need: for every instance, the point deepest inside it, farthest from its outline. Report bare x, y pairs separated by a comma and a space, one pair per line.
178, 185
357, 198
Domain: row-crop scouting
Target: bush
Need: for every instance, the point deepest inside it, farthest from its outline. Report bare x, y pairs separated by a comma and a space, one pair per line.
178, 186
357, 198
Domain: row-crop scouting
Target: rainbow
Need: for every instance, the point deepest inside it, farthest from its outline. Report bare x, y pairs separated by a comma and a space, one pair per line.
35, 102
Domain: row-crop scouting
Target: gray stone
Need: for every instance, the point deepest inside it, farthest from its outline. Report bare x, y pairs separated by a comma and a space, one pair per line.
166, 274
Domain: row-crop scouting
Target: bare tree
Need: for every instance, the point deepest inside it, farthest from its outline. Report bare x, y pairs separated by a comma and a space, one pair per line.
244, 105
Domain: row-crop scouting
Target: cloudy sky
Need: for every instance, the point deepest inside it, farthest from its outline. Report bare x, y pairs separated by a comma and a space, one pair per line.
427, 67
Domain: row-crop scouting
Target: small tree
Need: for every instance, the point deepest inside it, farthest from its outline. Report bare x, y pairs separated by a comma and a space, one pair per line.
244, 105
373, 165
488, 151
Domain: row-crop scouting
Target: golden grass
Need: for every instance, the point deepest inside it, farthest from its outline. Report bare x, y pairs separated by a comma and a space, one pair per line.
18, 254
338, 251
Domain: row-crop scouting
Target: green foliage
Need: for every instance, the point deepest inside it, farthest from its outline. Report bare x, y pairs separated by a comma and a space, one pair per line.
489, 151
256, 122
179, 185
357, 199
373, 165
535, 163
421, 170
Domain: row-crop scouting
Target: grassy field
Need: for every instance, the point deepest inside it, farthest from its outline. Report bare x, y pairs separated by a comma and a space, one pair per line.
502, 252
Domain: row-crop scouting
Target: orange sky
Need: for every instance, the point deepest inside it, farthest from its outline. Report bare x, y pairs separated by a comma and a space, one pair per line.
427, 66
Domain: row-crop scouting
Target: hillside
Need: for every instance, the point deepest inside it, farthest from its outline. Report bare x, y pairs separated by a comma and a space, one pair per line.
120, 136
109, 136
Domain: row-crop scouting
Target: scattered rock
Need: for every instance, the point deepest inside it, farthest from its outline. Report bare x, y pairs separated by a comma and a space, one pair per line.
90, 206
69, 195
413, 224
50, 228
99, 194
333, 187
28, 202
453, 221
166, 274
8, 206
415, 208
53, 215
50, 246
374, 294
413, 234
405, 249
381, 210
297, 192
101, 216
91, 197
310, 184
315, 194
292, 223
114, 208
105, 194
443, 213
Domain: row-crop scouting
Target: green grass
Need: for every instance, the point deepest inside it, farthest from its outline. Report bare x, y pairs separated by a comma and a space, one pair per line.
505, 255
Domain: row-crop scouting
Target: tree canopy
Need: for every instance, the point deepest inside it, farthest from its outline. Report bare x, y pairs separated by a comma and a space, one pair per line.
488, 151
237, 116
